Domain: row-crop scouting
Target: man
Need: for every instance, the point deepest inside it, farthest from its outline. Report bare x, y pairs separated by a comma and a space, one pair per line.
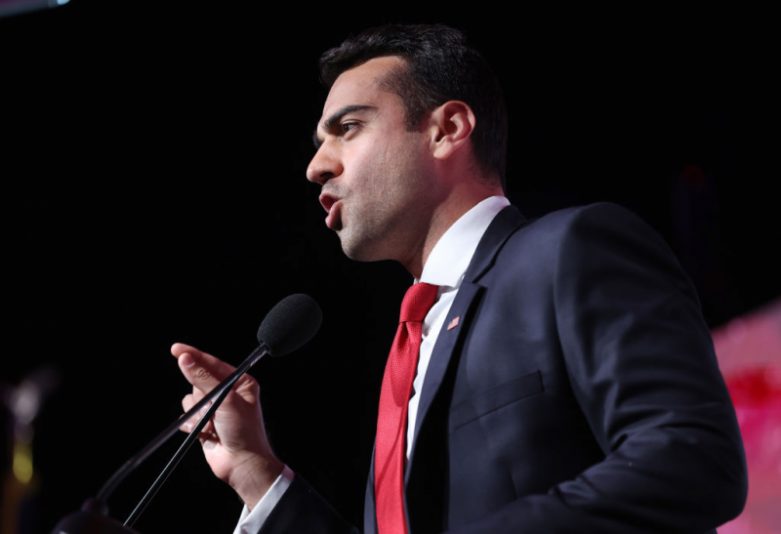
566, 380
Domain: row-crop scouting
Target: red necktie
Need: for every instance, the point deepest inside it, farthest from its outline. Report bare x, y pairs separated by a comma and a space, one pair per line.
390, 445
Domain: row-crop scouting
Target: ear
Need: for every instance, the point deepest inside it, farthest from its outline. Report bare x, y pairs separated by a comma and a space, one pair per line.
450, 126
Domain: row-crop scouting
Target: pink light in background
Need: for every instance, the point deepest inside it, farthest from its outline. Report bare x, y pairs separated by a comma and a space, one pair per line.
749, 353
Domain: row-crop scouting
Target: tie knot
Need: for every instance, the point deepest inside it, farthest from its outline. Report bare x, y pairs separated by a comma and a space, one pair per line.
417, 302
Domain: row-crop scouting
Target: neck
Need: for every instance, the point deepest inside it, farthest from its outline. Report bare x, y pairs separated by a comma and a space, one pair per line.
442, 218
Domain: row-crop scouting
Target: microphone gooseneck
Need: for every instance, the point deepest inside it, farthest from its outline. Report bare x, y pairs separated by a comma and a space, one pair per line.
290, 324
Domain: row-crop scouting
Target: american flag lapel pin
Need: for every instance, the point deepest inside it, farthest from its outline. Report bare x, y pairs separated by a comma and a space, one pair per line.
454, 322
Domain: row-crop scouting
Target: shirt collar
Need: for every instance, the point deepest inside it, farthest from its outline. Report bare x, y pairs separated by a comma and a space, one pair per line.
452, 254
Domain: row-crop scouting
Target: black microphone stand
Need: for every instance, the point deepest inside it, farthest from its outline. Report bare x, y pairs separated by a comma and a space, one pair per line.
93, 517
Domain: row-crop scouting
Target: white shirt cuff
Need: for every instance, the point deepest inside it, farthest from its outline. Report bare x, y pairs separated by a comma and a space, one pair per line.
252, 522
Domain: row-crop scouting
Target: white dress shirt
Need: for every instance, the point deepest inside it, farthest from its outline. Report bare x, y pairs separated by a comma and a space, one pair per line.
444, 267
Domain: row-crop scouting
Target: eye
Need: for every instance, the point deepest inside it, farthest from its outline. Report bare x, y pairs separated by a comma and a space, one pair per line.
348, 126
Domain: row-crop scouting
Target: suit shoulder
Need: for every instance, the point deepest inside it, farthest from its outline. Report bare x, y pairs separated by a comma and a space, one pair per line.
596, 213
585, 220
581, 227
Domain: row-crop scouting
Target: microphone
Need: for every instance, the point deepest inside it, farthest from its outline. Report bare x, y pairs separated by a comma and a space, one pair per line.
290, 324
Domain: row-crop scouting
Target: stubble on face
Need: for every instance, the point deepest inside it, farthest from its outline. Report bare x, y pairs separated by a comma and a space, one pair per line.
384, 191
386, 210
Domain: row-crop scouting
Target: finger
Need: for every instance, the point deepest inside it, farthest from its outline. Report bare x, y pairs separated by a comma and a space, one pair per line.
207, 430
208, 440
202, 370
188, 401
209, 371
219, 367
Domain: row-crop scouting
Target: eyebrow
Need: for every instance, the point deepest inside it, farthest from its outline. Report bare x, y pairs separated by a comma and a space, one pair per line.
332, 122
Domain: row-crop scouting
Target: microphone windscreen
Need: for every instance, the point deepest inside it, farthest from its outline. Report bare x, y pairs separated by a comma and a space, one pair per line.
290, 324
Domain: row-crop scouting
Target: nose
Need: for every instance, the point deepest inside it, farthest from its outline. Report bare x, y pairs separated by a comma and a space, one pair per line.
325, 165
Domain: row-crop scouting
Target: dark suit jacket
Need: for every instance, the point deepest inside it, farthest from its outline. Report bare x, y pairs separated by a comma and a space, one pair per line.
579, 393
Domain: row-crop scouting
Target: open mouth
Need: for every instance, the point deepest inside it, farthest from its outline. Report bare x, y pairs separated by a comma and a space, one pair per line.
332, 207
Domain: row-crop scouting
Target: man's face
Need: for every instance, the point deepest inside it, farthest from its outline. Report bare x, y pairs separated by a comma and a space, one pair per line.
376, 184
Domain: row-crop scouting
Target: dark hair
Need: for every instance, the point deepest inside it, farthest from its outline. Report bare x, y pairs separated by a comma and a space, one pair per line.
440, 67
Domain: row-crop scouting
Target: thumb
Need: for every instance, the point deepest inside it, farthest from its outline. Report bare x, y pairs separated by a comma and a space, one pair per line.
202, 370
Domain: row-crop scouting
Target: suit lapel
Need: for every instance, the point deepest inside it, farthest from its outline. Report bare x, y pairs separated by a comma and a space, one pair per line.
369, 514
457, 322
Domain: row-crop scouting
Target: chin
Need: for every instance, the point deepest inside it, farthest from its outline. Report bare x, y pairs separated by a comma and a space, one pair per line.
361, 251
357, 254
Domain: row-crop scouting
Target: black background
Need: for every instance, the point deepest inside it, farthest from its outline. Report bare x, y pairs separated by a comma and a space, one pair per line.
153, 160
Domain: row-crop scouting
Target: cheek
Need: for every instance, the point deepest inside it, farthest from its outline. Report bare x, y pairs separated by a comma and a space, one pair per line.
366, 158
384, 170
374, 168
